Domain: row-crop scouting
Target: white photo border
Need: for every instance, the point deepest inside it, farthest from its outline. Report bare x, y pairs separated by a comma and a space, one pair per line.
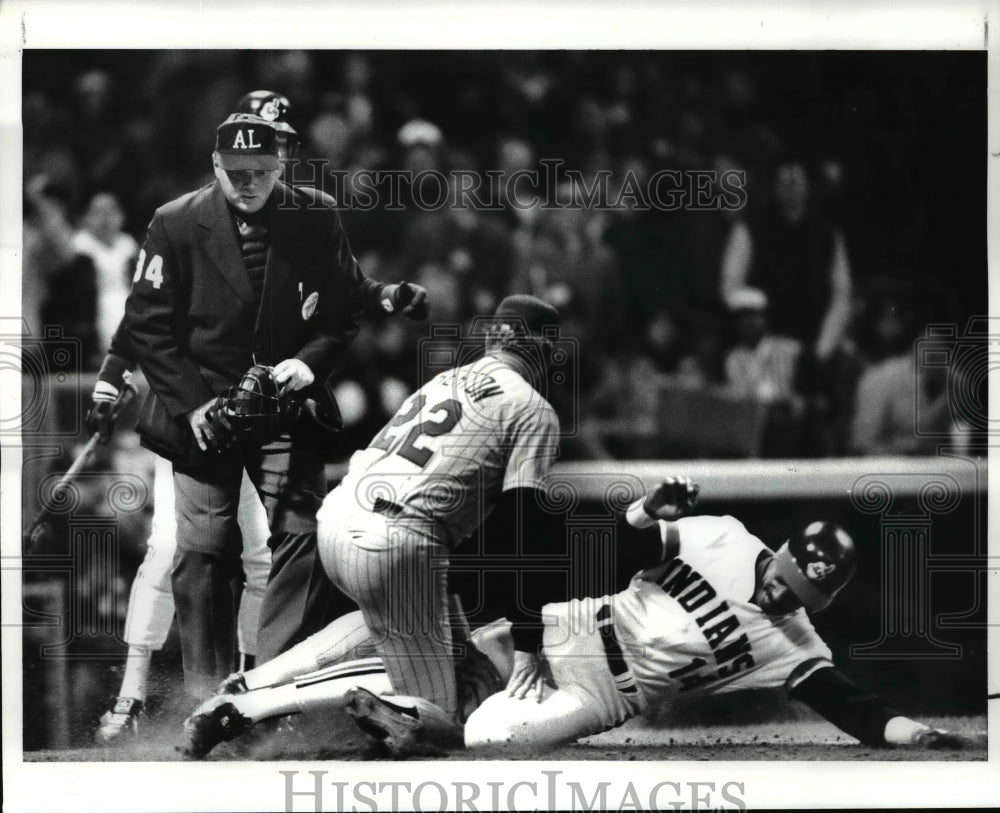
449, 25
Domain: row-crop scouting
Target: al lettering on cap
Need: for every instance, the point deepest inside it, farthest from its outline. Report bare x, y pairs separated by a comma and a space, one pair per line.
244, 141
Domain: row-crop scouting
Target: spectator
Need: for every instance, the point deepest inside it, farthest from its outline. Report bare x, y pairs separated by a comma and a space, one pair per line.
563, 261
113, 253
59, 282
798, 258
794, 253
889, 398
762, 364
47, 247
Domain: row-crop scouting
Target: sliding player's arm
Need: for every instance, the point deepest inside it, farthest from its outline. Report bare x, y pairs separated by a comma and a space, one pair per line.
672, 499
861, 713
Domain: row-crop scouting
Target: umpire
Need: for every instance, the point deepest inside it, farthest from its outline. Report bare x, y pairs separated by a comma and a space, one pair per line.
246, 270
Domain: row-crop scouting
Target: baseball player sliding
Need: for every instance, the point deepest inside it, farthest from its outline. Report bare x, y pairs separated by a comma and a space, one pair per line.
717, 611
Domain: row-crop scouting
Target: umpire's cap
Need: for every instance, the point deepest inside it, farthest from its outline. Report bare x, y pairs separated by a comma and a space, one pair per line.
816, 563
243, 141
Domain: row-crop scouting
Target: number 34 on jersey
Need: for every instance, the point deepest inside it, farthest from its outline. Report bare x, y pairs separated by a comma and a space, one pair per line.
154, 270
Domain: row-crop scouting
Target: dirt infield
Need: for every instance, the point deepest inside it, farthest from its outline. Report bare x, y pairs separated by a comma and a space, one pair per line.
338, 739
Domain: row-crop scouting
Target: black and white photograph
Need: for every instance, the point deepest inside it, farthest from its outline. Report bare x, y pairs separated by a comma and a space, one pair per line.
408, 410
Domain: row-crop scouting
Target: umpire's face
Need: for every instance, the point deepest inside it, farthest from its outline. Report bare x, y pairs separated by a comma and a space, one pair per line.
246, 189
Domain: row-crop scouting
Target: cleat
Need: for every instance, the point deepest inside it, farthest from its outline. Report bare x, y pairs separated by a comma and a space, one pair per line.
394, 726
214, 721
940, 740
236, 683
119, 722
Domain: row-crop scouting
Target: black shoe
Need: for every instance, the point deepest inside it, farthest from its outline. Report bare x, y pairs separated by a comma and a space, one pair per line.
394, 726
214, 721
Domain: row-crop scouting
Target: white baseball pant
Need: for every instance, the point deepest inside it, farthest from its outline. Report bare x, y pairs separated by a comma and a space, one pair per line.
584, 658
315, 675
151, 602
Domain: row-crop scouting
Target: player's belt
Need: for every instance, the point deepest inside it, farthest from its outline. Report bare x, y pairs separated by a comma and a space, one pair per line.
412, 521
624, 679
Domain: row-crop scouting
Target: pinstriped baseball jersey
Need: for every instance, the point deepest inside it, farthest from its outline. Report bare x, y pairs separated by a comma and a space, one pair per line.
454, 446
688, 626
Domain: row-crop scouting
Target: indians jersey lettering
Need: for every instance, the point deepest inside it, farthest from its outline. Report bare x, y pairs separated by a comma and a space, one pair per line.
688, 625
454, 446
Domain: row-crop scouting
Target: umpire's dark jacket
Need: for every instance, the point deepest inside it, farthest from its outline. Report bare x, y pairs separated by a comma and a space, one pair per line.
192, 319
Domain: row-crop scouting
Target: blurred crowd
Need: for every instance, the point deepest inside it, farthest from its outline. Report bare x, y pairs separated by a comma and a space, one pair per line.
782, 327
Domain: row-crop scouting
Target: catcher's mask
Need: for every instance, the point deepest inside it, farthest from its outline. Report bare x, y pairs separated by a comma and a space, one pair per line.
255, 399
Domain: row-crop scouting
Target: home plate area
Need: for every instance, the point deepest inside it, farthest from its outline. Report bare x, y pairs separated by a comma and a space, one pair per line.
338, 739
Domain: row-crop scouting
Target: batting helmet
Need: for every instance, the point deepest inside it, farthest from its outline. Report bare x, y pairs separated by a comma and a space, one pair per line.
273, 107
528, 313
816, 563
524, 326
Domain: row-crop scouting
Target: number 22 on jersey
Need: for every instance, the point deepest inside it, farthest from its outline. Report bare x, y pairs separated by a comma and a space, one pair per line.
441, 419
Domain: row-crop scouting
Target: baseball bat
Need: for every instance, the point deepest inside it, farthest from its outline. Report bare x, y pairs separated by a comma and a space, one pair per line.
39, 527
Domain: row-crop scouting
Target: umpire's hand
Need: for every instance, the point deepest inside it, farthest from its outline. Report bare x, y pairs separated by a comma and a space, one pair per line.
201, 426
292, 374
406, 298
